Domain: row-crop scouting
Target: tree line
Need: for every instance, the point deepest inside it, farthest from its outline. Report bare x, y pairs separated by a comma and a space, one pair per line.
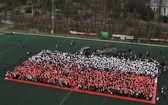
130, 17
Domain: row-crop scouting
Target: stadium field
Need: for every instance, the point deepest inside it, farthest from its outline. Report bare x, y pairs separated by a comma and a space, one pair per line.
16, 93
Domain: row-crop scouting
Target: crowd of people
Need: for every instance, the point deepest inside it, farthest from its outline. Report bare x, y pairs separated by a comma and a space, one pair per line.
111, 75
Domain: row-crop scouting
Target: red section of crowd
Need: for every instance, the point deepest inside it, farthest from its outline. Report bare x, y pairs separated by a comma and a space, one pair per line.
110, 82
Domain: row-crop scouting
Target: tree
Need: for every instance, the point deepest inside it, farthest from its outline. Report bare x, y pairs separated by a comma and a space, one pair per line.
130, 5
145, 12
23, 2
164, 19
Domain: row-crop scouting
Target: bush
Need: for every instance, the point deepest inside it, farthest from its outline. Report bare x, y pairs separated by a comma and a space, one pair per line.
164, 19
28, 10
37, 13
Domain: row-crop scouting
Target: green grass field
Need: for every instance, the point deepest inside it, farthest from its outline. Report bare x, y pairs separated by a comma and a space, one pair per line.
13, 93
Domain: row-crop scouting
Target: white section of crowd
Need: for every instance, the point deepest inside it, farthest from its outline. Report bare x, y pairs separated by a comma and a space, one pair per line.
138, 66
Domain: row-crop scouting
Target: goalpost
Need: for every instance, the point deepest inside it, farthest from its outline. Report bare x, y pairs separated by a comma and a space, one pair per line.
34, 31
143, 40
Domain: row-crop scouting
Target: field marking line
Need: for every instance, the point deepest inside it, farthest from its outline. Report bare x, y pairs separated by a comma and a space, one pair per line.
14, 46
28, 95
65, 98
9, 48
99, 40
1, 34
8, 42
103, 101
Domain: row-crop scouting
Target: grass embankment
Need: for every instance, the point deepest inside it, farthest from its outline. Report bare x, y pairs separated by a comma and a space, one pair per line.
2, 25
23, 30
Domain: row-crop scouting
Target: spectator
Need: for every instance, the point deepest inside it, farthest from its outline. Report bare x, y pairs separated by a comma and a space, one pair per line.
111, 75
12, 33
147, 54
163, 89
164, 95
60, 44
4, 67
20, 57
23, 47
29, 53
157, 97
72, 43
56, 46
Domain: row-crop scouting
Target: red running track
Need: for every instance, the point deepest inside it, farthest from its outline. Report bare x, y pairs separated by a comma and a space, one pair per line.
153, 101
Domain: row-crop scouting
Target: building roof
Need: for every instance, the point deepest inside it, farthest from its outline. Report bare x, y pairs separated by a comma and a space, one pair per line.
156, 3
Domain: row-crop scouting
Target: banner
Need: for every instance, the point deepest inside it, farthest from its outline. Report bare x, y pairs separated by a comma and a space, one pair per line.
82, 33
123, 37
72, 32
129, 37
159, 40
117, 35
104, 34
6, 21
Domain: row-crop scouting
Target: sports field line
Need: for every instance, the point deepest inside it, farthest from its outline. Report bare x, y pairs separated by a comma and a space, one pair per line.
14, 46
65, 97
9, 48
89, 92
28, 95
9, 42
1, 34
5, 39
99, 40
103, 101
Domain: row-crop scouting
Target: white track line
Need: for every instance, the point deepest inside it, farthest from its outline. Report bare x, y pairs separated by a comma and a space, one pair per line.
99, 40
28, 95
8, 42
1, 34
9, 48
103, 101
65, 98
13, 46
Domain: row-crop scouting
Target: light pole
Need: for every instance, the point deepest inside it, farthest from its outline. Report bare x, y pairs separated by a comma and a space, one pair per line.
52, 17
144, 31
32, 8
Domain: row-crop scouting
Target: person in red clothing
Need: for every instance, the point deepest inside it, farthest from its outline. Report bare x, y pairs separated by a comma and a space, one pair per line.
20, 57
4, 67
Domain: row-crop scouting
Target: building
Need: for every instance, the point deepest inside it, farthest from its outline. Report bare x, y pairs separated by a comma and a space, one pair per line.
162, 4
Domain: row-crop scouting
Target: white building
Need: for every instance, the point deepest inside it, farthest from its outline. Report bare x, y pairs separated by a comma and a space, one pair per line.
155, 4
